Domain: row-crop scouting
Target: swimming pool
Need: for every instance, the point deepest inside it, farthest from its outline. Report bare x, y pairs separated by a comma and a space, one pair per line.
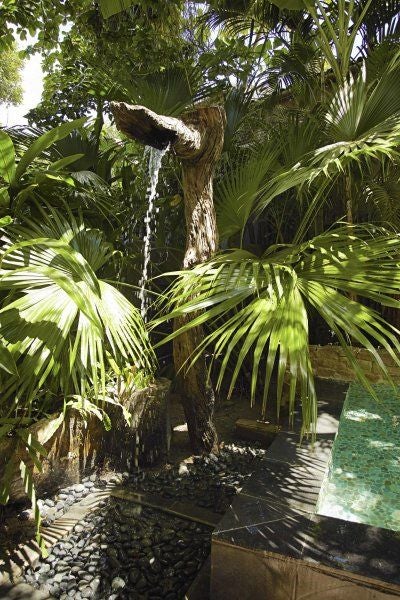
362, 480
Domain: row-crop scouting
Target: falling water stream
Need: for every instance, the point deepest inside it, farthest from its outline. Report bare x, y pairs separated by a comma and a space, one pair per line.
155, 159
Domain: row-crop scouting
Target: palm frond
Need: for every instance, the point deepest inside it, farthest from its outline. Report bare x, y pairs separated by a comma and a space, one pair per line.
60, 320
258, 306
361, 124
237, 192
167, 92
240, 16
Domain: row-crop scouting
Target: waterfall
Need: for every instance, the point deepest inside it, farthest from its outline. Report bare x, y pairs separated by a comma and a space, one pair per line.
150, 222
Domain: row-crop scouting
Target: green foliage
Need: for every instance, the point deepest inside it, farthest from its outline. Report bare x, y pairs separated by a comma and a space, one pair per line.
60, 320
237, 192
312, 134
10, 76
44, 17
290, 4
257, 308
97, 55
337, 23
167, 92
21, 176
112, 7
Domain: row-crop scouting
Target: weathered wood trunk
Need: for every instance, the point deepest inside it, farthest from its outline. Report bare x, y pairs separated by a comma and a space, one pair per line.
197, 139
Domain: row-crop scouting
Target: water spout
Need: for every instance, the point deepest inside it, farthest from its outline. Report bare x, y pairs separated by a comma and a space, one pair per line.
150, 221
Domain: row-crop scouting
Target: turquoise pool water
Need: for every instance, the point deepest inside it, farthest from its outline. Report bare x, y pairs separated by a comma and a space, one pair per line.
362, 482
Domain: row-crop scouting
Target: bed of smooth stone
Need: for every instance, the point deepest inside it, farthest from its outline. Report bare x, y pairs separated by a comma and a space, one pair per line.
124, 551
362, 483
54, 507
210, 481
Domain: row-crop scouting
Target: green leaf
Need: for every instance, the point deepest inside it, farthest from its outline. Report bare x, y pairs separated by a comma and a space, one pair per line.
4, 199
289, 4
7, 476
112, 7
5, 429
44, 141
4, 221
61, 320
48, 176
7, 157
64, 162
7, 362
256, 308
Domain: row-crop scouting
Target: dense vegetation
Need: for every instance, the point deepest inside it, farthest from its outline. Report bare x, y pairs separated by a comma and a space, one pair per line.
307, 196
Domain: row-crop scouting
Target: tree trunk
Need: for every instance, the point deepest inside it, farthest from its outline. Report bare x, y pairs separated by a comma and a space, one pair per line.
197, 139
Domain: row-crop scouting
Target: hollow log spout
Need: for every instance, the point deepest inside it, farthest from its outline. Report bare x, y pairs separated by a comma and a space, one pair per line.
196, 138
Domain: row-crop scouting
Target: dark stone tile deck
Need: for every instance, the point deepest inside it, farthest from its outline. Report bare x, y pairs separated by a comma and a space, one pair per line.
272, 527
367, 551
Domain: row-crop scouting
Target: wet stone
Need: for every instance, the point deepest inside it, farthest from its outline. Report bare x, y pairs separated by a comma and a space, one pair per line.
122, 550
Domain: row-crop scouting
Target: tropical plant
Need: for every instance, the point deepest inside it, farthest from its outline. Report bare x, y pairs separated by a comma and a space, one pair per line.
20, 177
59, 320
258, 307
10, 75
63, 330
311, 91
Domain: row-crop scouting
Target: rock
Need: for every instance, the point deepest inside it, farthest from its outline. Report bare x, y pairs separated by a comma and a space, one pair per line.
78, 488
75, 570
116, 479
183, 470
141, 585
45, 568
62, 496
155, 566
117, 584
134, 576
25, 515
95, 584
79, 528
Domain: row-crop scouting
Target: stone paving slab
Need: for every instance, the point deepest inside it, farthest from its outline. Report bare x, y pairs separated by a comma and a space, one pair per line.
184, 510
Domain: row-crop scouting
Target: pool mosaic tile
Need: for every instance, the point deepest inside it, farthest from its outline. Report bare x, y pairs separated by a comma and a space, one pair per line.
362, 481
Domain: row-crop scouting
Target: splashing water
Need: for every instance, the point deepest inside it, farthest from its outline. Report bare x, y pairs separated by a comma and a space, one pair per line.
155, 159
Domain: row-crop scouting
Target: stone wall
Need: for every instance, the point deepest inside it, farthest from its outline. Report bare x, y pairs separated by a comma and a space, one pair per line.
75, 448
330, 362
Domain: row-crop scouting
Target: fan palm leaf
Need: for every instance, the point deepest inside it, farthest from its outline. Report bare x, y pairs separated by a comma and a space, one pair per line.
167, 92
258, 307
237, 191
361, 123
60, 321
